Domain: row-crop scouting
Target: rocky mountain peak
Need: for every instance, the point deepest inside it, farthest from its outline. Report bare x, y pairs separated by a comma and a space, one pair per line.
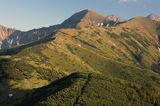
83, 18
154, 17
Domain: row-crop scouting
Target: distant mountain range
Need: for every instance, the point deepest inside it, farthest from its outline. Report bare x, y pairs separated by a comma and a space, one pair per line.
13, 37
16, 37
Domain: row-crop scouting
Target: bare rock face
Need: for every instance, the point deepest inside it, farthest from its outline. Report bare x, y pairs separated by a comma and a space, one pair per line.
154, 17
20, 38
115, 18
111, 20
5, 32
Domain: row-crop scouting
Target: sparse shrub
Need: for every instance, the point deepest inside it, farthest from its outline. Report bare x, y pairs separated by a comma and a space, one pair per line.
99, 41
114, 35
137, 56
70, 49
113, 47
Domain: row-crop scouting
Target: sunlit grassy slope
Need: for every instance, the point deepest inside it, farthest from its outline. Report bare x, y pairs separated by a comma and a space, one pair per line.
114, 67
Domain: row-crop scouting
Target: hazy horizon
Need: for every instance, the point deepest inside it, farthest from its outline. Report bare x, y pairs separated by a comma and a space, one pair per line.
26, 15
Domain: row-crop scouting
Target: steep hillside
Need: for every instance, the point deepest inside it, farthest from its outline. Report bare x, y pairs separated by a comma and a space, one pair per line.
144, 24
119, 63
148, 27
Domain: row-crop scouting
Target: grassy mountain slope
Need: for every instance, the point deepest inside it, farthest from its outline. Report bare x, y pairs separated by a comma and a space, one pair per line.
116, 62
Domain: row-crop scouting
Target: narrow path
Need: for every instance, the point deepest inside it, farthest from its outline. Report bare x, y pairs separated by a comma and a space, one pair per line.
82, 90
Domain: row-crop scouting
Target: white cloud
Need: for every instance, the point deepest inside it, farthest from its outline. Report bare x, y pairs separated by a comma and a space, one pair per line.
124, 1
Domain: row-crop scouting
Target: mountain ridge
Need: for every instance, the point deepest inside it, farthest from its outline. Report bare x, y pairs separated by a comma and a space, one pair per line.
89, 65
80, 19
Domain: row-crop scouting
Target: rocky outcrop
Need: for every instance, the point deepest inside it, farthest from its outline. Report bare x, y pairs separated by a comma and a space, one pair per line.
154, 17
5, 32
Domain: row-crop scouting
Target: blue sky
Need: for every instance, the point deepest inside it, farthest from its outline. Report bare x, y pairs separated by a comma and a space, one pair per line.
29, 14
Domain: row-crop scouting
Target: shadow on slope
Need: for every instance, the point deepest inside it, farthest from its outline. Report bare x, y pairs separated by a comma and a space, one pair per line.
85, 89
41, 94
